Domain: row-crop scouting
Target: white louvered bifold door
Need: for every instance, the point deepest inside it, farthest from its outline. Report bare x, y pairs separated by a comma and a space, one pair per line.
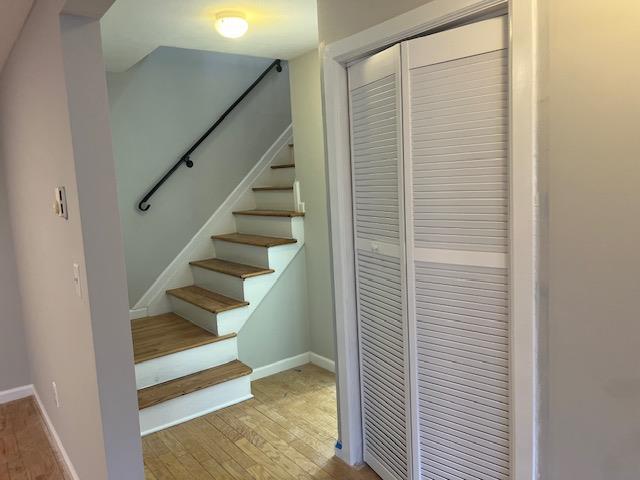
376, 140
457, 182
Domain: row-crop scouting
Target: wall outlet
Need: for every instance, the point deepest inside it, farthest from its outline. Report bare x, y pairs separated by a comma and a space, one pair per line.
55, 394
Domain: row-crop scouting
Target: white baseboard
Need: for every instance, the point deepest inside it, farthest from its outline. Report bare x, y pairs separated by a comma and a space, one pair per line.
322, 362
17, 393
293, 362
178, 272
58, 443
136, 313
280, 366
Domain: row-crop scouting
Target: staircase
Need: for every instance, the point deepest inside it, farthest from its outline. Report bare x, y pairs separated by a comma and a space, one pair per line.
186, 360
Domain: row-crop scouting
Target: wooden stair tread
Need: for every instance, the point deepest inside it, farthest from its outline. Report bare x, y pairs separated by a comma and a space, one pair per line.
207, 300
255, 240
271, 213
150, 396
272, 189
231, 268
168, 333
286, 165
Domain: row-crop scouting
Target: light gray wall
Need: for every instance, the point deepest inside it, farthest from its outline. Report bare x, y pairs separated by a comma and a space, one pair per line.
279, 327
590, 154
67, 336
338, 19
308, 132
103, 248
14, 363
158, 108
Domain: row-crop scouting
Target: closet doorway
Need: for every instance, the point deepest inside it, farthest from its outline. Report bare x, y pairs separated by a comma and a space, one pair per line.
432, 200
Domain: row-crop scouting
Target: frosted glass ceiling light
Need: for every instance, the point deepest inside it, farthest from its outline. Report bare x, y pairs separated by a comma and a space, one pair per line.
231, 24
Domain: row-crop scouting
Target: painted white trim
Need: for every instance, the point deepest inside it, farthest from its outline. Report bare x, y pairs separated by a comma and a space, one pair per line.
523, 69
280, 366
17, 393
178, 272
63, 453
430, 16
297, 197
322, 362
293, 362
136, 313
461, 257
523, 127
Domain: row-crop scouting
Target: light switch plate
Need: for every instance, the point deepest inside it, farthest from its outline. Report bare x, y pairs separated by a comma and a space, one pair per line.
60, 203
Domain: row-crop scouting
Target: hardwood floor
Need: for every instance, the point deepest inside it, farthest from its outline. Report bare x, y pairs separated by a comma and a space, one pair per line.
287, 431
26, 451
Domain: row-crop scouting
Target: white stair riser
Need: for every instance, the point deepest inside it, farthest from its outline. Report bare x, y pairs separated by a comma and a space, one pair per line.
274, 199
180, 364
268, 226
241, 253
222, 323
219, 282
193, 405
279, 177
233, 286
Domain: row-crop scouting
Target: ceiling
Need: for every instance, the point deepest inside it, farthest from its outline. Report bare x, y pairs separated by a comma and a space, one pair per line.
132, 29
12, 18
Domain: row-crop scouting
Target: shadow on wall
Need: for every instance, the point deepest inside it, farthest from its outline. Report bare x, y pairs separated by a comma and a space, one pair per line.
158, 108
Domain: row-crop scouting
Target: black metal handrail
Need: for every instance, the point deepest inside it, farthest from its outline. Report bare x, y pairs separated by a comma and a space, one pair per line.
144, 205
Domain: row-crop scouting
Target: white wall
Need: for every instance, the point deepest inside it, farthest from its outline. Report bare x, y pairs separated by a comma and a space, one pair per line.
308, 133
590, 156
72, 341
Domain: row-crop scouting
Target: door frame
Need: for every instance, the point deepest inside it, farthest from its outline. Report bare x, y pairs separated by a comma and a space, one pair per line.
335, 57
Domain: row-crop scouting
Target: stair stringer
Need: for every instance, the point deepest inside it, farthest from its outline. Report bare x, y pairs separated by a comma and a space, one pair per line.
178, 273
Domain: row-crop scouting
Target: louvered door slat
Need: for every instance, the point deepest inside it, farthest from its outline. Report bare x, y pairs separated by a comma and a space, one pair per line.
458, 231
375, 108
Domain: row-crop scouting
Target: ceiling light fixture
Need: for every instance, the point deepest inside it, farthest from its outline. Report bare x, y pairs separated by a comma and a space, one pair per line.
231, 24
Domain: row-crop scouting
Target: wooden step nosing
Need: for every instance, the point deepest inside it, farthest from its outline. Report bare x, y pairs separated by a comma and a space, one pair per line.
289, 241
242, 372
202, 343
215, 311
242, 276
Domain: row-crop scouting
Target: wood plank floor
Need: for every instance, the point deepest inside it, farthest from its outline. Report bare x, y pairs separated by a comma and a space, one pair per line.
26, 451
287, 431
